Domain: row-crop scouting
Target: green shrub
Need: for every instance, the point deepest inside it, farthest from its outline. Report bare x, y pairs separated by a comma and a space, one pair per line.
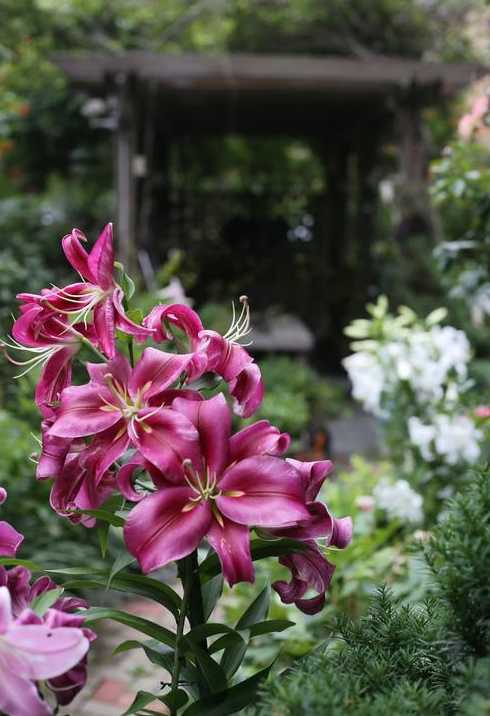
459, 557
416, 659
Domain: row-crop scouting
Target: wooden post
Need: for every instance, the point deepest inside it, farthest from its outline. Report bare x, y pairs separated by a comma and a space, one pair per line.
125, 186
413, 160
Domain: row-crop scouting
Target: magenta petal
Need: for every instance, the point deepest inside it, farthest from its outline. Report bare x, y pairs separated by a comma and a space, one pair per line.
232, 544
271, 493
125, 481
177, 314
40, 652
5, 610
309, 570
82, 412
124, 323
55, 377
159, 531
156, 371
313, 475
19, 697
105, 327
165, 438
320, 523
118, 367
212, 419
10, 540
101, 258
247, 390
342, 532
23, 328
260, 438
111, 445
76, 254
53, 453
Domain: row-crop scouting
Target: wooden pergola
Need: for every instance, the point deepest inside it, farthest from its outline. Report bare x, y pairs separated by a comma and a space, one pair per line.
351, 105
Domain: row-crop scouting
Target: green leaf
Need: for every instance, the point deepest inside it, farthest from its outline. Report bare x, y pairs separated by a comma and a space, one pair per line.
44, 601
231, 700
175, 700
266, 627
103, 535
12, 562
105, 516
255, 613
123, 582
142, 699
123, 559
157, 653
211, 592
161, 634
212, 672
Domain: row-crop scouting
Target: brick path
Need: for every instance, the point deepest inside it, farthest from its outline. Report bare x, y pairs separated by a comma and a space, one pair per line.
114, 680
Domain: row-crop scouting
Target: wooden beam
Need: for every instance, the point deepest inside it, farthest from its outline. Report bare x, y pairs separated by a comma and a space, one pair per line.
269, 73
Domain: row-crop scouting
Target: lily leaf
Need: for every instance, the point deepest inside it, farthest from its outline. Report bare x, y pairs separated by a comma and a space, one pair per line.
255, 613
231, 700
161, 634
44, 601
211, 592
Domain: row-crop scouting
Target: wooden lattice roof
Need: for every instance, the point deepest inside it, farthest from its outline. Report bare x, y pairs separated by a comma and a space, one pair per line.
268, 93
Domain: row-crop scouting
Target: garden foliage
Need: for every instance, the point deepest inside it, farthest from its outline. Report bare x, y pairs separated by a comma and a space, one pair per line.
422, 658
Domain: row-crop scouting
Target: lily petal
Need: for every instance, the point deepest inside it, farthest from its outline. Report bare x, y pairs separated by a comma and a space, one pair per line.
160, 530
105, 326
165, 438
40, 652
212, 420
313, 475
76, 254
178, 315
268, 493
101, 258
156, 371
260, 438
247, 390
83, 412
19, 697
232, 544
10, 540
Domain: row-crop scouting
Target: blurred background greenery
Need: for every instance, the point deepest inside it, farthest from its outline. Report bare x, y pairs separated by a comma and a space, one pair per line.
56, 173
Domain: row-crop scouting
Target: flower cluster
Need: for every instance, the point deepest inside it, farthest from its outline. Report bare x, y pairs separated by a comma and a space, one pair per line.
416, 372
141, 426
399, 501
48, 645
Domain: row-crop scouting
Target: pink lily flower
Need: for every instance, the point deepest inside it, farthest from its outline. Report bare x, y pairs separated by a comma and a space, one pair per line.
98, 292
10, 539
81, 485
52, 343
31, 652
214, 353
309, 568
230, 485
124, 406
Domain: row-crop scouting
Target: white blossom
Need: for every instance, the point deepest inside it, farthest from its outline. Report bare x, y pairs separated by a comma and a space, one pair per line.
422, 436
457, 439
399, 501
367, 379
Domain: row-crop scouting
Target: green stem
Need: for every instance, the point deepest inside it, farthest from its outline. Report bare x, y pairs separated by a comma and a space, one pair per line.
131, 352
196, 610
185, 574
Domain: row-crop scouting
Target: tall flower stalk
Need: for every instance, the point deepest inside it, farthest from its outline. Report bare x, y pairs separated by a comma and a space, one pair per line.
140, 448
